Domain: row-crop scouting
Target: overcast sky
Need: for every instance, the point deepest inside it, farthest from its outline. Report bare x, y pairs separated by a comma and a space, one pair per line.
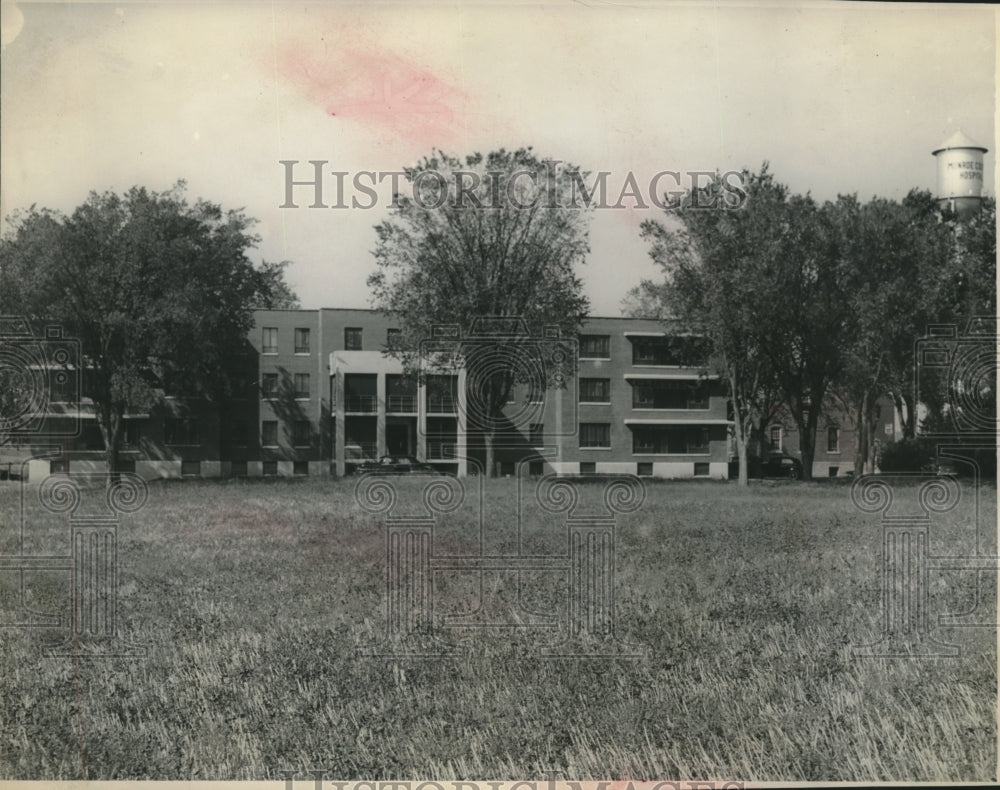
840, 98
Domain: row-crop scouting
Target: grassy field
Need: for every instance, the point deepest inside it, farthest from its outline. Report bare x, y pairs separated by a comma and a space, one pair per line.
255, 600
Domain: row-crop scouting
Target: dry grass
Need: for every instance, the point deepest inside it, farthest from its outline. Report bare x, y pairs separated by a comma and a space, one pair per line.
254, 598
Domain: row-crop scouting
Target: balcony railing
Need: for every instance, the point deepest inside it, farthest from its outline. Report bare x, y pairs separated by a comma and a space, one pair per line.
367, 404
440, 450
360, 451
401, 403
440, 405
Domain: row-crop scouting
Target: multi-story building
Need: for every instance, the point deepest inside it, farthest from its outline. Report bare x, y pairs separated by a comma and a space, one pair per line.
331, 399
323, 397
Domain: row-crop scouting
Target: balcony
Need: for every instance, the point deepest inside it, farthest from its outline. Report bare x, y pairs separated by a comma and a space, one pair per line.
442, 404
361, 404
401, 404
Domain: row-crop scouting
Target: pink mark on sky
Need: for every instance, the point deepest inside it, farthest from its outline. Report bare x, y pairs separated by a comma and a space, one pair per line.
385, 93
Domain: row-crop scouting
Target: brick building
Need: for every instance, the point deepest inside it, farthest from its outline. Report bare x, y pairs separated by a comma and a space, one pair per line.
322, 397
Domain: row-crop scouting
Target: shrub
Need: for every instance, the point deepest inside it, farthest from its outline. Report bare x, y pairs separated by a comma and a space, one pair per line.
906, 455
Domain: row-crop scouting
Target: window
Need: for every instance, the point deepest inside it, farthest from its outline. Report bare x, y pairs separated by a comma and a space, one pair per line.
352, 338
269, 340
302, 340
300, 468
588, 468
595, 434
536, 434
269, 468
190, 468
301, 433
644, 468
833, 471
269, 433
393, 337
238, 469
595, 347
775, 438
269, 385
301, 385
595, 390
670, 440
180, 431
701, 469
833, 440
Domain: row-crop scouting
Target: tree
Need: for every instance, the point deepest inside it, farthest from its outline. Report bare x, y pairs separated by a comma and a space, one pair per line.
720, 281
646, 300
493, 237
156, 290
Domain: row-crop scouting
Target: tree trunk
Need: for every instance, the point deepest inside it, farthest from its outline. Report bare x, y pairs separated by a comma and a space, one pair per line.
488, 444
905, 413
741, 451
861, 446
110, 421
807, 442
870, 441
741, 429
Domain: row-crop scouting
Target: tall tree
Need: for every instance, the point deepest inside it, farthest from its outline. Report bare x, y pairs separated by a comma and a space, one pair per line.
720, 280
494, 236
806, 326
155, 289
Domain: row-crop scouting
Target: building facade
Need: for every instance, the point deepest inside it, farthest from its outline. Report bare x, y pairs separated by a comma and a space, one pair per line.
321, 398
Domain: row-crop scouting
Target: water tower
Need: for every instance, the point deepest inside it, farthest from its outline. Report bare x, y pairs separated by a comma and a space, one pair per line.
960, 173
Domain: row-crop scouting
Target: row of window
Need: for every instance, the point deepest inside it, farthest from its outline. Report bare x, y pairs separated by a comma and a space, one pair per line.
649, 394
352, 339
658, 440
832, 439
674, 351
649, 440
269, 340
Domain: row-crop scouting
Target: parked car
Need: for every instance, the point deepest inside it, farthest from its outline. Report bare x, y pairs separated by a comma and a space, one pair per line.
780, 465
397, 465
776, 465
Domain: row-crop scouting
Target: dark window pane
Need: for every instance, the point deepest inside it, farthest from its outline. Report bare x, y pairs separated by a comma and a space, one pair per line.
595, 347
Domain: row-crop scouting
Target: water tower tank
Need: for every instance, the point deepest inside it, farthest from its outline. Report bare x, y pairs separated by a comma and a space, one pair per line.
960, 173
